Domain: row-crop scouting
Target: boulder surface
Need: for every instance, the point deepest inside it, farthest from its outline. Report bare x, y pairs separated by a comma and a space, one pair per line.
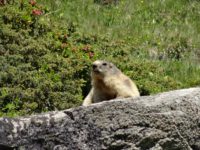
167, 121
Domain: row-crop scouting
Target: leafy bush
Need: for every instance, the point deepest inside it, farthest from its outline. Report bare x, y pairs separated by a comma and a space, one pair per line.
42, 67
45, 54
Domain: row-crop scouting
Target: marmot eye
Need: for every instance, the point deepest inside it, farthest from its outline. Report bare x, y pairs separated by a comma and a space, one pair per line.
104, 64
94, 66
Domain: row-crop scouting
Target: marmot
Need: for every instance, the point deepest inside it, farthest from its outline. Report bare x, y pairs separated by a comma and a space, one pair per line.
108, 82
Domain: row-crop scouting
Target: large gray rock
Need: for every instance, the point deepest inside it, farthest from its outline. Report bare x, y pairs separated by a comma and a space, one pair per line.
167, 121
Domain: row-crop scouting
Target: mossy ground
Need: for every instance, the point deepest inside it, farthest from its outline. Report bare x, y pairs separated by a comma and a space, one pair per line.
46, 49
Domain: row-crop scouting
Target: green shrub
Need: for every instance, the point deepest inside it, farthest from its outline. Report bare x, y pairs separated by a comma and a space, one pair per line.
42, 67
45, 54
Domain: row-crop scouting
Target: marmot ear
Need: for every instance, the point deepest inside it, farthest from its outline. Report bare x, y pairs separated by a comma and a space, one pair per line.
111, 65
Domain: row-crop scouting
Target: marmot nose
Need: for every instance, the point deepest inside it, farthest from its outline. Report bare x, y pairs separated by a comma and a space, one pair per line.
94, 66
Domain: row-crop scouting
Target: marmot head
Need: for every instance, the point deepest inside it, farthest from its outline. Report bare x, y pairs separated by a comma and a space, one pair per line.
102, 68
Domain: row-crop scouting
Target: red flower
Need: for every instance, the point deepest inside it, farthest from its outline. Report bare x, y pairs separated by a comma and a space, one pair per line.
64, 45
86, 48
2, 2
91, 54
32, 2
37, 12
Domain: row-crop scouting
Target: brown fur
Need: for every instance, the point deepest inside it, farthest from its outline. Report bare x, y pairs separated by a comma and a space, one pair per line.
108, 82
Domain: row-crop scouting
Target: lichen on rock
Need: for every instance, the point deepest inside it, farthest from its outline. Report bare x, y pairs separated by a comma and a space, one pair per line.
165, 121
